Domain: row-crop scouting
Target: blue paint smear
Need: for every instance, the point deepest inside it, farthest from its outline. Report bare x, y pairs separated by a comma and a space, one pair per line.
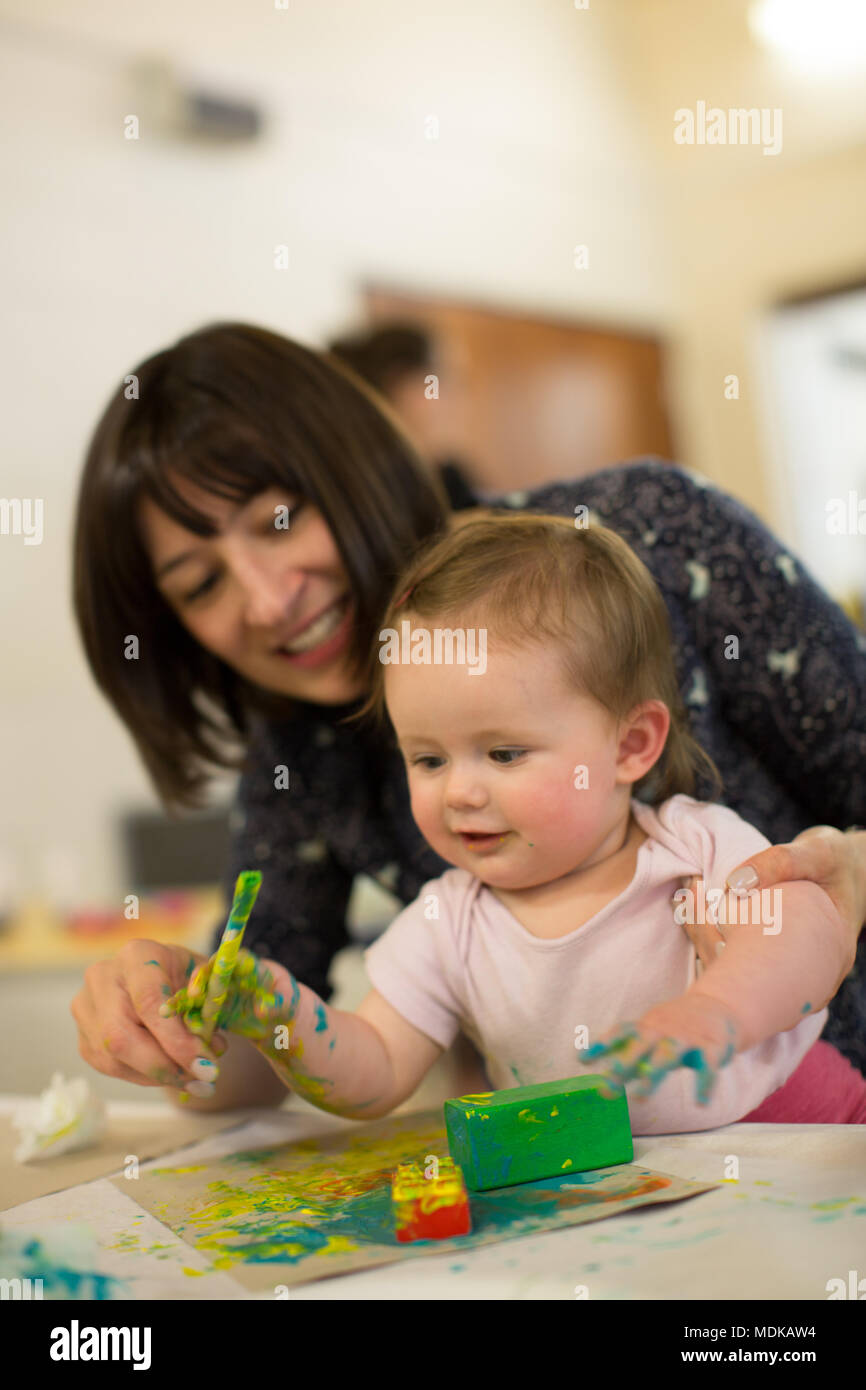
805, 1009
28, 1258
368, 1218
321, 1019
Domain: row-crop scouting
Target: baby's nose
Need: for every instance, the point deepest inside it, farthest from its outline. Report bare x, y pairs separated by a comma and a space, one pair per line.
465, 790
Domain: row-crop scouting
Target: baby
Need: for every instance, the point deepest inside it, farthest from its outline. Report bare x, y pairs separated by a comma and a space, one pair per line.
532, 689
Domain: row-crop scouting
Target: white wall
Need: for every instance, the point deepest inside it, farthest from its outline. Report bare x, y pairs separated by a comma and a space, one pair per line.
114, 248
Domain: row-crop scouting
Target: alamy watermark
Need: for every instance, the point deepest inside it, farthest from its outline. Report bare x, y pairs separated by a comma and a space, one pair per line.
439, 646
761, 908
711, 125
846, 517
22, 516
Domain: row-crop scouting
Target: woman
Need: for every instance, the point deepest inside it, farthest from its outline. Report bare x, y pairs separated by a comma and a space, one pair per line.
245, 507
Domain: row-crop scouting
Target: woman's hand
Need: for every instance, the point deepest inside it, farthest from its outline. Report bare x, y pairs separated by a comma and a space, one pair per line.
261, 995
834, 859
120, 1029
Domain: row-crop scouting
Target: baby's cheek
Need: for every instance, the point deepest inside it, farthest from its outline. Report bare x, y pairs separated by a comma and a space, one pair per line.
559, 813
426, 814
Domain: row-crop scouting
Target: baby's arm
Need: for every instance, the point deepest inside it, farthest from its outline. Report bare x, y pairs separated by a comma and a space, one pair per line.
360, 1064
770, 976
762, 983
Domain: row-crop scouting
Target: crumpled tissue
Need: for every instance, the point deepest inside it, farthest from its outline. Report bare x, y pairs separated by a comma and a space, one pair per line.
66, 1116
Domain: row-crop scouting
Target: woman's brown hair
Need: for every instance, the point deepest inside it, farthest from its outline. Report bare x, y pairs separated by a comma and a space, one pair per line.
539, 578
234, 409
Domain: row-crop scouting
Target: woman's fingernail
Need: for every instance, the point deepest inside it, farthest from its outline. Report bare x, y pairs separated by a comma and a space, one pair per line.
205, 1069
202, 1090
742, 879
219, 1042
720, 946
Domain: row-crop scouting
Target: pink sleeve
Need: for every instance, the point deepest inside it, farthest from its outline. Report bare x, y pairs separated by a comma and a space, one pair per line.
412, 964
718, 837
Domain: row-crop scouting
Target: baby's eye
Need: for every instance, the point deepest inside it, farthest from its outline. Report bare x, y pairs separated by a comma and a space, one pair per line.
506, 755
427, 761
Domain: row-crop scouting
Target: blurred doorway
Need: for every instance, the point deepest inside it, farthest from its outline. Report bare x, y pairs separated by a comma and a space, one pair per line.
530, 400
817, 362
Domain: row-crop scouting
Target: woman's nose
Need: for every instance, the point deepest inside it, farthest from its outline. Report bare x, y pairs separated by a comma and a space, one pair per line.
269, 595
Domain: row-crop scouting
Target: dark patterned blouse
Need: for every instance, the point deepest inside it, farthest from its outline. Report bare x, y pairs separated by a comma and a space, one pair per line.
785, 724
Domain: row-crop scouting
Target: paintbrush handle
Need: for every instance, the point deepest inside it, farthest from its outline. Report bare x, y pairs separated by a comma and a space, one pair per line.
246, 891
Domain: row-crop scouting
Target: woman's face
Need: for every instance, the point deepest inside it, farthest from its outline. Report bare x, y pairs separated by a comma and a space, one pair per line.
268, 593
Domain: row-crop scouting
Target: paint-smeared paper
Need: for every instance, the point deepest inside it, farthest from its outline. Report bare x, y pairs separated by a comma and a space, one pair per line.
322, 1206
142, 1137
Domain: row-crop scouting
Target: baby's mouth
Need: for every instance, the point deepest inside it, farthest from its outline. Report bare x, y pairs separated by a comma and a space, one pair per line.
480, 842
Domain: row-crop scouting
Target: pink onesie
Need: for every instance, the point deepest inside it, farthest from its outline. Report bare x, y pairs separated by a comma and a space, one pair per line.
456, 958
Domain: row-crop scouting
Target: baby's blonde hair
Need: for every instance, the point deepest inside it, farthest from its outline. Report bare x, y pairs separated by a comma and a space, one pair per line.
530, 578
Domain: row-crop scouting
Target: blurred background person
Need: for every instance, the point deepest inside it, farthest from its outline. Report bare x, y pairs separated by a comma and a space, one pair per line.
399, 361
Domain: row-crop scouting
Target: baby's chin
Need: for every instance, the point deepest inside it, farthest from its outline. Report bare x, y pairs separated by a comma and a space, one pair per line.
495, 871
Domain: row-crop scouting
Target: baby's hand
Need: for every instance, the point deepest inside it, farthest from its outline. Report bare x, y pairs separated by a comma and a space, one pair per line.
692, 1031
260, 995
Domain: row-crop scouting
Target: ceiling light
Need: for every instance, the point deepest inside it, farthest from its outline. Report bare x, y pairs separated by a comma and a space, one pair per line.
829, 37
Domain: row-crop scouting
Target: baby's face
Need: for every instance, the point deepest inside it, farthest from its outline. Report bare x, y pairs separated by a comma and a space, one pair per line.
493, 759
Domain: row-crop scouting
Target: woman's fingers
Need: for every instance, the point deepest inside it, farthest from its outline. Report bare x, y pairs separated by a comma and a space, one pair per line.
823, 855
114, 1042
704, 935
121, 1030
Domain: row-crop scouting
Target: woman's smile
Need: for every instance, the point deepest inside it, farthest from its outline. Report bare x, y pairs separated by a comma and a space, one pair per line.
322, 639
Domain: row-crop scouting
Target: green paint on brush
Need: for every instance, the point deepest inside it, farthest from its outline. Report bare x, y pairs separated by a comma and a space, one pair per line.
526, 1133
247, 886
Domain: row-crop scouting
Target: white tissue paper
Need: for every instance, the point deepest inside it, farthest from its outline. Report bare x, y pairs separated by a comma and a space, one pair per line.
67, 1116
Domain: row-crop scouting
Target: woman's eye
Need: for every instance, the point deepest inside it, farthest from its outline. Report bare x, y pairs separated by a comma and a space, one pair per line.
203, 588
282, 519
507, 754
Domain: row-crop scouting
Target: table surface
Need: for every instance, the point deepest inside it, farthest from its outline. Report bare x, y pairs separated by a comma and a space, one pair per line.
794, 1218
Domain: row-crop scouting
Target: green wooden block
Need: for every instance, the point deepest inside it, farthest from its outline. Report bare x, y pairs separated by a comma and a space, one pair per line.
528, 1132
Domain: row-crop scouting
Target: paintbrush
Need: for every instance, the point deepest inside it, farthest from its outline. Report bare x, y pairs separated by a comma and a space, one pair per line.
246, 891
